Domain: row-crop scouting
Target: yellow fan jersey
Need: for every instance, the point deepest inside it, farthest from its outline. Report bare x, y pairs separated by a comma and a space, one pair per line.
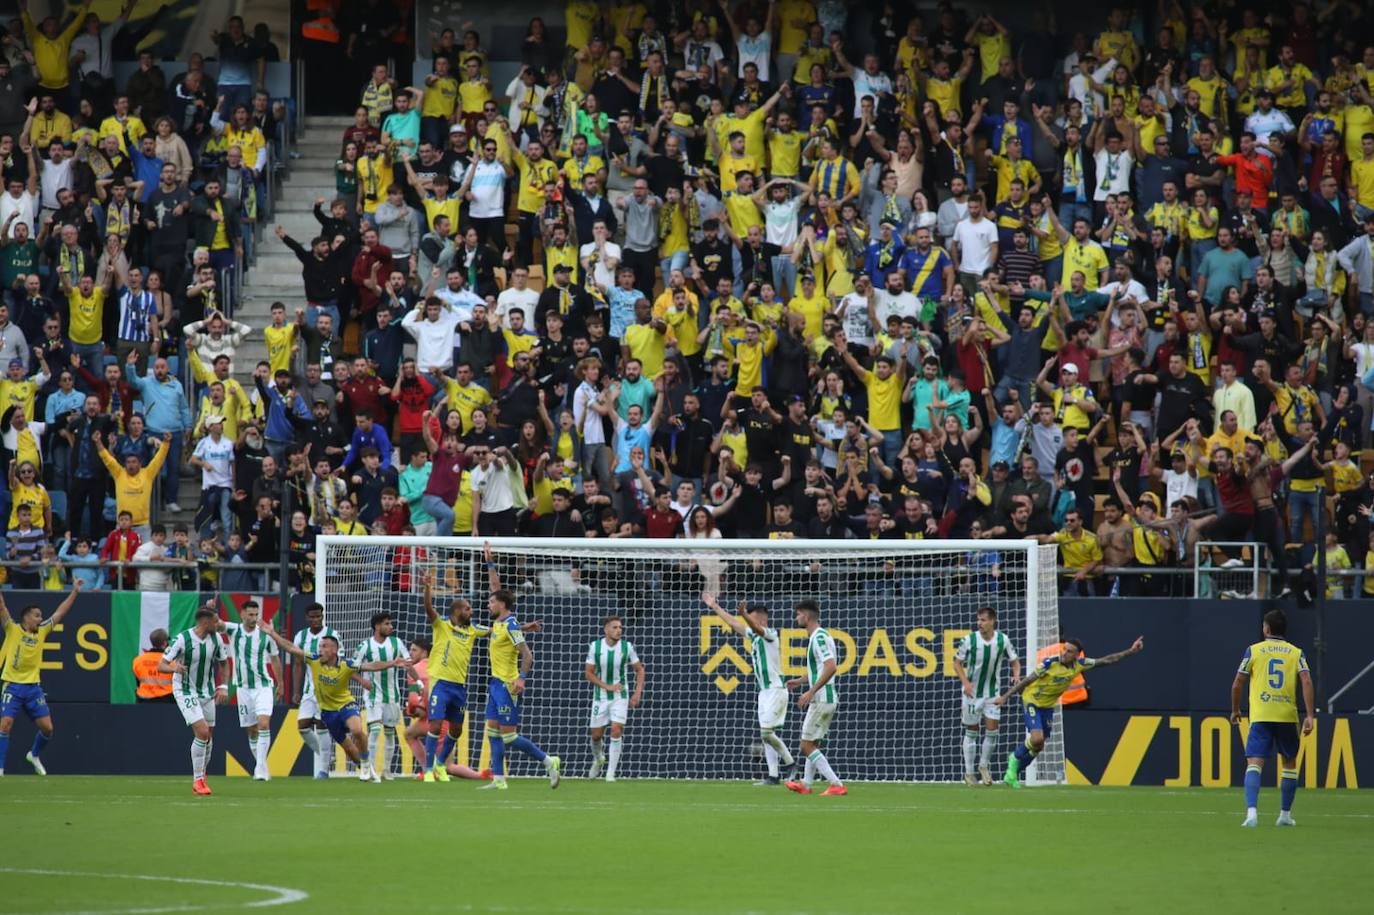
23, 652
1273, 668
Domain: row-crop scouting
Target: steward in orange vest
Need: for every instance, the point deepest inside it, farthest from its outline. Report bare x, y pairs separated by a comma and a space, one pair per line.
152, 685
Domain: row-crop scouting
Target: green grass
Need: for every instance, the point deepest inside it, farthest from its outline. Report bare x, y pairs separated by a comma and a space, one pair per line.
670, 847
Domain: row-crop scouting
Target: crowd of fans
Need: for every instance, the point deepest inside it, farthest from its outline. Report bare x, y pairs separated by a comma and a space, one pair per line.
758, 270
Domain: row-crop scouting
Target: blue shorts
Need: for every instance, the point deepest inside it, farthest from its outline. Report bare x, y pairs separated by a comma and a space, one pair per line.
1039, 719
447, 701
337, 722
502, 707
1270, 737
26, 696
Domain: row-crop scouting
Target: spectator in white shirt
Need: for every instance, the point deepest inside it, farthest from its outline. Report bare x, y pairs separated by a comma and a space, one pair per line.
517, 295
493, 495
431, 325
214, 455
975, 245
601, 256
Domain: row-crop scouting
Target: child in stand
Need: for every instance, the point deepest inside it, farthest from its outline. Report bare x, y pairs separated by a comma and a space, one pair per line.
82, 562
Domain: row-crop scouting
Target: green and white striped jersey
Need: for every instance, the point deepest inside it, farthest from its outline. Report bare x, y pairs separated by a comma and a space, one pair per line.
251, 652
766, 656
387, 685
611, 664
309, 642
200, 654
819, 649
983, 661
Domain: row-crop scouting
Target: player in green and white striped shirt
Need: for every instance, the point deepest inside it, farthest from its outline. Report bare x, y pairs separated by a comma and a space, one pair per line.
257, 681
820, 701
766, 659
196, 660
978, 661
313, 731
609, 662
383, 700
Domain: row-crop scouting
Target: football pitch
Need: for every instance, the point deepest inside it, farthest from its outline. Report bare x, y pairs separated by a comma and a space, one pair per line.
105, 845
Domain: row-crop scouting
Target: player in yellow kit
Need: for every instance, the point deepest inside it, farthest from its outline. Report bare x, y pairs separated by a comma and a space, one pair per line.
1043, 686
20, 659
1273, 668
511, 663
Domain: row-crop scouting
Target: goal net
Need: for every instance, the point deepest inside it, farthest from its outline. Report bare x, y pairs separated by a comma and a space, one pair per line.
896, 610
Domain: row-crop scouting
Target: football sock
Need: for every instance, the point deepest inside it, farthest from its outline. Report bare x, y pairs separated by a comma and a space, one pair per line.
446, 748
199, 750
431, 750
771, 755
264, 746
40, 740
324, 750
1288, 789
771, 739
597, 748
1252, 787
498, 753
4, 748
308, 737
970, 751
374, 737
989, 742
809, 775
823, 767
616, 746
531, 749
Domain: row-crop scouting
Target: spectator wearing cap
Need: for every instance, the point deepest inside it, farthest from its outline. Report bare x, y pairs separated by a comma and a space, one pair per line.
1073, 402
214, 455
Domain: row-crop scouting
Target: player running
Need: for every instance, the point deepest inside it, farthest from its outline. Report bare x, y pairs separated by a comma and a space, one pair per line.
1280, 666
255, 689
511, 663
766, 659
1049, 679
978, 661
339, 713
609, 661
20, 659
383, 701
196, 660
313, 731
820, 701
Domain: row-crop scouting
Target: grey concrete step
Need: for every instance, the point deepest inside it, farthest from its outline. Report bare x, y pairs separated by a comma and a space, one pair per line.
339, 121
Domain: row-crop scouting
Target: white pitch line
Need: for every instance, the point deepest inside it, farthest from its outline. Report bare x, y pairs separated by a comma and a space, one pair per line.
281, 895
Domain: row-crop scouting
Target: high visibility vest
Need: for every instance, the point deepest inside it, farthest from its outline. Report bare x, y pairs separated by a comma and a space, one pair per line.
151, 683
1078, 689
323, 27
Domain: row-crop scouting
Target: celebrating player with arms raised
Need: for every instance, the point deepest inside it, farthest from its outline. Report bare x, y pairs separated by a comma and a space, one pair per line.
511, 664
978, 661
332, 675
820, 701
1274, 669
609, 661
196, 660
766, 658
1048, 682
20, 688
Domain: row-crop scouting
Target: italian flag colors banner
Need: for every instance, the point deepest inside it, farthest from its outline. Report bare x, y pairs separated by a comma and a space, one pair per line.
134, 614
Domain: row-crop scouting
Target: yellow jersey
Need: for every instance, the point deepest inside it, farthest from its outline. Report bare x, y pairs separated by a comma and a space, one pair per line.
1273, 668
812, 309
648, 345
533, 177
18, 394
1052, 678
465, 400
331, 683
1087, 258
506, 639
279, 341
743, 213
784, 153
1362, 179
750, 358
575, 170
474, 95
23, 652
1008, 170
884, 401
731, 165
1078, 552
751, 125
440, 99
452, 649
87, 315
36, 498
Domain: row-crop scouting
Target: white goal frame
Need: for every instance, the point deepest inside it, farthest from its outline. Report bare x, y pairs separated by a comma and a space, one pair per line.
1041, 596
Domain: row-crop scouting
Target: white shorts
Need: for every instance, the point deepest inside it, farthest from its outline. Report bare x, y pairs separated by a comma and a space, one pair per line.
773, 708
819, 716
194, 709
254, 703
609, 711
309, 708
973, 711
388, 713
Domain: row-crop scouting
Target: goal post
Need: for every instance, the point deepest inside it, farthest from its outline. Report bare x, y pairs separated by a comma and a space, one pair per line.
896, 610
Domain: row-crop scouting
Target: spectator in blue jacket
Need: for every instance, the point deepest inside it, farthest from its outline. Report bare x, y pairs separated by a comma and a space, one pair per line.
367, 434
165, 410
285, 410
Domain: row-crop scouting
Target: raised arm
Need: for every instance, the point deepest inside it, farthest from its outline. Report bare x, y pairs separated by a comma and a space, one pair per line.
1136, 648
